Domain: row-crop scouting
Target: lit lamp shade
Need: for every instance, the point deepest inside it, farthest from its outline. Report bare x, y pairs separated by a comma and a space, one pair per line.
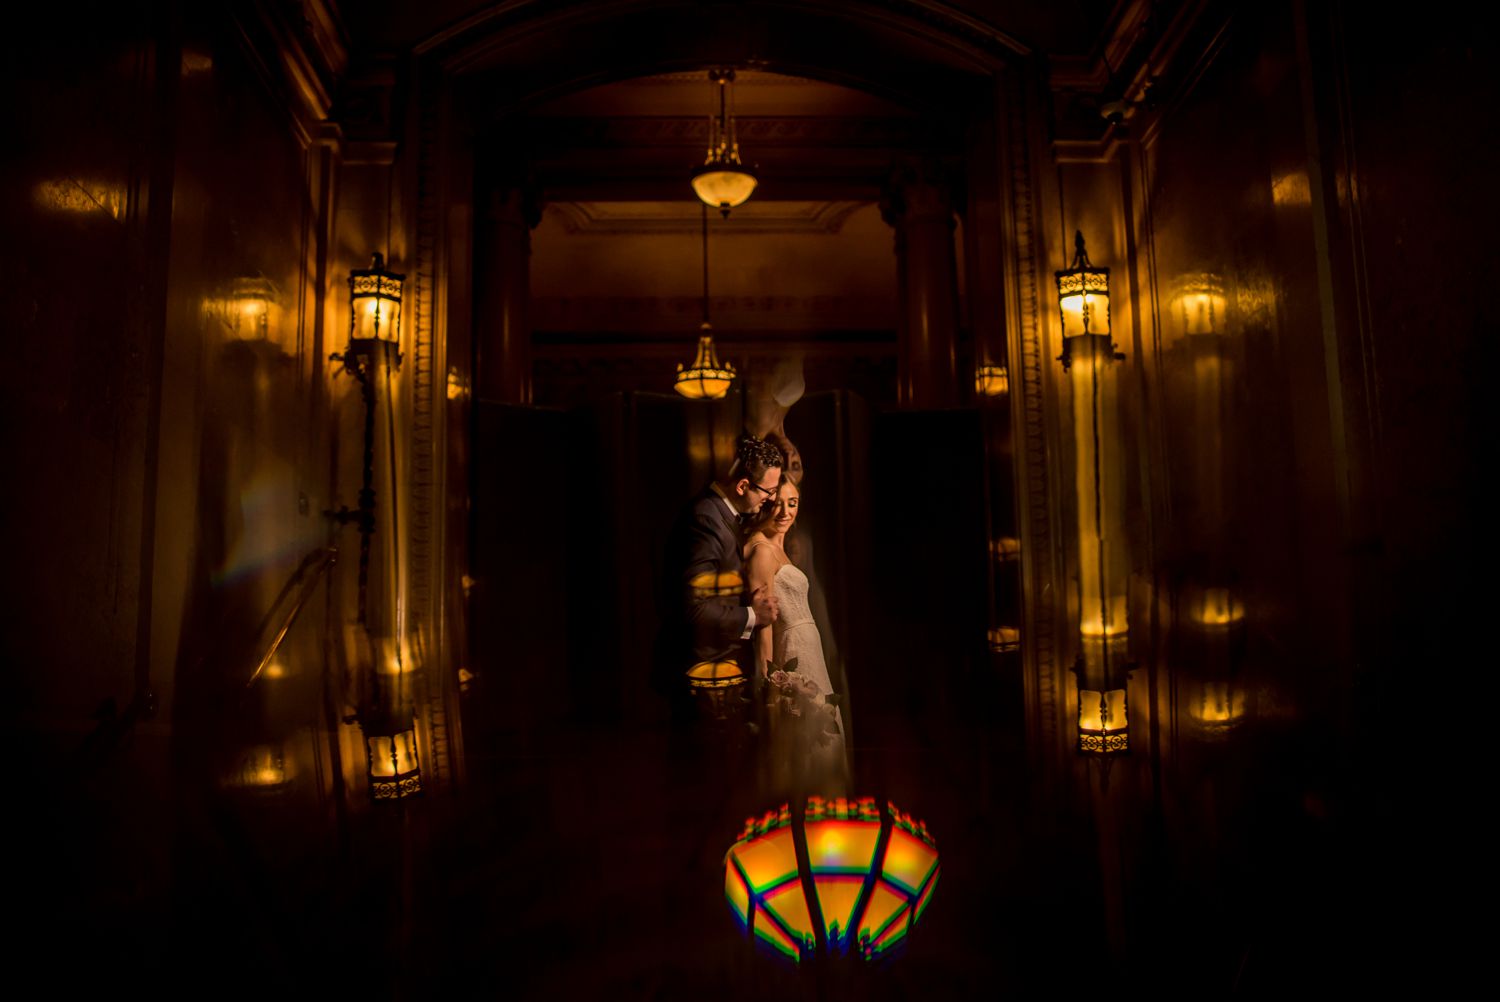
870, 873
1199, 304
718, 583
719, 683
1006, 548
1103, 721
706, 378
1103, 671
723, 185
992, 380
1005, 638
375, 303
1216, 608
261, 768
1083, 299
250, 300
391, 749
1218, 708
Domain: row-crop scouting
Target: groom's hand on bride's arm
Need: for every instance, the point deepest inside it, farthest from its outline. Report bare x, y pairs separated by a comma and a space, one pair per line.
763, 601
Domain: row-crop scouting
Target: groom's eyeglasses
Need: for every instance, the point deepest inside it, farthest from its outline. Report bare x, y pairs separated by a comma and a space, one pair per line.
768, 491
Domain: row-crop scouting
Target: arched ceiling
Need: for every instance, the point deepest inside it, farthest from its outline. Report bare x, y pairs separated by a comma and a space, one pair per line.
1058, 27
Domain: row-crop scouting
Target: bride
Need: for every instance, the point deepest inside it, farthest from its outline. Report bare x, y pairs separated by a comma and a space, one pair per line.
812, 738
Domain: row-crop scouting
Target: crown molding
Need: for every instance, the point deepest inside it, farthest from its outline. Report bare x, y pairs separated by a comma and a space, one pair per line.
760, 218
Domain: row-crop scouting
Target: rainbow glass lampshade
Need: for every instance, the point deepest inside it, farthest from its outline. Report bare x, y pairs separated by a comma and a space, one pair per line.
869, 877
375, 303
706, 378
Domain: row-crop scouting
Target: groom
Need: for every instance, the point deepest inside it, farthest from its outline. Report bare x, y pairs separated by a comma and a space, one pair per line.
697, 624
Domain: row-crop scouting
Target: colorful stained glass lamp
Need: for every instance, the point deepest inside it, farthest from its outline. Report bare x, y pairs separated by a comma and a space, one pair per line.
869, 877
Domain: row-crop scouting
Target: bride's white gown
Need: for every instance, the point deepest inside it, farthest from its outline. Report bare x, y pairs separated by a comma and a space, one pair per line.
794, 634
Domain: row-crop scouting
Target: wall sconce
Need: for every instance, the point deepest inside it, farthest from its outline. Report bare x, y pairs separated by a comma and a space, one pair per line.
394, 767
261, 768
1199, 304
719, 683
1103, 672
375, 303
706, 378
1004, 639
869, 876
1083, 296
992, 380
373, 354
723, 181
250, 300
1088, 357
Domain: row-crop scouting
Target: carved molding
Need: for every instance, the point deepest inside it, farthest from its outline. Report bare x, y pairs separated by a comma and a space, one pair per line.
1028, 347
657, 131
424, 623
611, 218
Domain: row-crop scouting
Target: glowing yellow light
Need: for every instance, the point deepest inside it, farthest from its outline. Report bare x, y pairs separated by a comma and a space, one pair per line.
992, 380
1218, 607
1006, 548
80, 196
842, 845
1005, 638
768, 860
765, 885
1098, 473
262, 767
706, 378
724, 189
789, 904
276, 669
908, 861
405, 754
837, 897
716, 583
458, 389
723, 181
375, 303
1219, 707
715, 675
1199, 304
1083, 297
885, 904
1102, 723
773, 934
735, 891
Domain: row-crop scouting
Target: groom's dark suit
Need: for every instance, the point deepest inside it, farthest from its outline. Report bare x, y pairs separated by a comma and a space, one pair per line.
695, 626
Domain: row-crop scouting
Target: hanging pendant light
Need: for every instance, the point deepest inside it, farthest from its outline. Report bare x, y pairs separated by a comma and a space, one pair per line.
723, 181
707, 378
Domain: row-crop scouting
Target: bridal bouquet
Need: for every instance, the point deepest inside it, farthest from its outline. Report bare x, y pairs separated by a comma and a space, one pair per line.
796, 695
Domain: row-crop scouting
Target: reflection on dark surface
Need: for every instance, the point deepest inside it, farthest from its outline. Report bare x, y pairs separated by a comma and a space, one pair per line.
831, 876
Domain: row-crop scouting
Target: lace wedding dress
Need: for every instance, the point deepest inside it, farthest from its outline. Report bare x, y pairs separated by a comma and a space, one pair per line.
795, 632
